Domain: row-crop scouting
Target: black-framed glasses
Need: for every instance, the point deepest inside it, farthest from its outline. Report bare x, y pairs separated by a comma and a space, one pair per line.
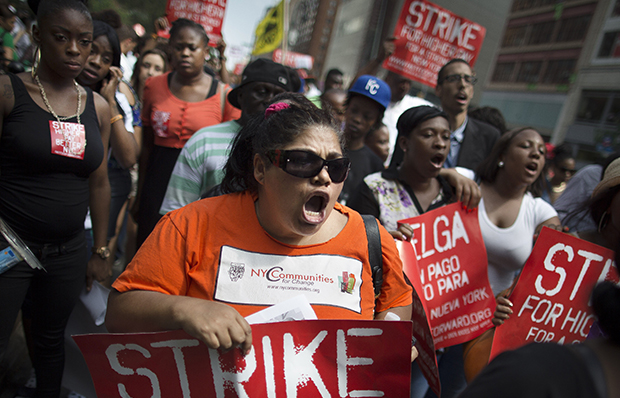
305, 164
455, 78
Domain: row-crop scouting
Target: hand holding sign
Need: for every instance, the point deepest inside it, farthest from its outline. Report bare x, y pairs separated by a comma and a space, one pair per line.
551, 298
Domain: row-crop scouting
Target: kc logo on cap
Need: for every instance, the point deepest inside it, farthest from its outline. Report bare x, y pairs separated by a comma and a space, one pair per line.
372, 86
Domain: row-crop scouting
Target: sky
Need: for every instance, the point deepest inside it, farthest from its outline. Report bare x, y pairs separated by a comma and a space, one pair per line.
240, 21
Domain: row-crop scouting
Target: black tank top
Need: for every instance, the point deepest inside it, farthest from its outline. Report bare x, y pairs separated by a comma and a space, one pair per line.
44, 196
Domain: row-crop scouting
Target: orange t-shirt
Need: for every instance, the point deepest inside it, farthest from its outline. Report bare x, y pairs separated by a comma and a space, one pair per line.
216, 249
173, 120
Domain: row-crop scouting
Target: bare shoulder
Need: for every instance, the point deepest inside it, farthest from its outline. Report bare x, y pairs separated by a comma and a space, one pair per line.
101, 105
124, 88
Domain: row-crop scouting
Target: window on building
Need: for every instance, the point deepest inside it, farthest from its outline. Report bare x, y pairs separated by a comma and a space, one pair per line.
519, 5
559, 71
541, 32
503, 71
529, 72
573, 29
610, 47
600, 107
515, 36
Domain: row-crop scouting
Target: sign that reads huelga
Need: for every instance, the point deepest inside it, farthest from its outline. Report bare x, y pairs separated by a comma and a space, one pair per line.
427, 37
328, 358
551, 298
451, 273
208, 13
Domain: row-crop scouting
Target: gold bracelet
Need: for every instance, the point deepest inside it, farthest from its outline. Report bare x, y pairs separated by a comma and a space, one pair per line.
116, 119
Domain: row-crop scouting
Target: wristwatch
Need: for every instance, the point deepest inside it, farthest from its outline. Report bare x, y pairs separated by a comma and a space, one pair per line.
103, 252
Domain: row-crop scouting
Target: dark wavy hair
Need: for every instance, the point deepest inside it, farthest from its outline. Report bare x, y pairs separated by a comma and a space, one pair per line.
487, 170
264, 133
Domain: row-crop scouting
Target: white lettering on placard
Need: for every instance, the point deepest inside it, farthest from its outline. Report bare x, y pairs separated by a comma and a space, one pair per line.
549, 266
177, 349
345, 361
447, 27
224, 378
112, 354
299, 367
441, 228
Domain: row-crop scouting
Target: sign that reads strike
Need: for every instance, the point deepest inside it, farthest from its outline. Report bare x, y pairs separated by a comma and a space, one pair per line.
551, 298
451, 273
427, 37
328, 358
208, 13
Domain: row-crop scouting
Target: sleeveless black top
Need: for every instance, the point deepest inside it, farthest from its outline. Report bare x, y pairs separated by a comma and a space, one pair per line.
44, 196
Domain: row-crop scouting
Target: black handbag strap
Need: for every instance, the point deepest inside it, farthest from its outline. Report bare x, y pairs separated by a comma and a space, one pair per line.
375, 256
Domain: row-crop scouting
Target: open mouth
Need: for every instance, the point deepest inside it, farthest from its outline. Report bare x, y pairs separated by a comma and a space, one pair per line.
533, 167
438, 160
314, 208
461, 97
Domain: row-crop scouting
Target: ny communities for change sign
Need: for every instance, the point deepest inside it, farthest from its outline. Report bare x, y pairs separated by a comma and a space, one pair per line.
428, 36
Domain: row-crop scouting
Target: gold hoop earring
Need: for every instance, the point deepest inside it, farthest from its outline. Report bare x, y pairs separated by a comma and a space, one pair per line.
35, 62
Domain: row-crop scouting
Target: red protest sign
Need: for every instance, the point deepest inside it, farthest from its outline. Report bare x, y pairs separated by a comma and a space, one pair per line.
208, 13
427, 360
550, 300
293, 59
427, 37
301, 358
451, 274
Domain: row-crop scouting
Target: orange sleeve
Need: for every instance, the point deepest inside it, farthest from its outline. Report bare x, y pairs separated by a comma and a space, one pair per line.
160, 265
230, 112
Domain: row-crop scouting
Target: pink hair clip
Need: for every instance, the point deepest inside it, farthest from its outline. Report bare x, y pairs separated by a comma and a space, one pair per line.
277, 107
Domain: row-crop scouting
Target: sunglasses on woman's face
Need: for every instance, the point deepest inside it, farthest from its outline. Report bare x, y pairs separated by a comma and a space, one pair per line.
305, 164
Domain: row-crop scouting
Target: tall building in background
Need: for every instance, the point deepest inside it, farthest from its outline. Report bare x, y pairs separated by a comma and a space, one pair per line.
362, 26
557, 69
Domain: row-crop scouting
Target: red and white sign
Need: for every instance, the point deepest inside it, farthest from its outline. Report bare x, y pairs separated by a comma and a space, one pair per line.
427, 37
450, 273
293, 59
68, 139
328, 358
551, 298
208, 13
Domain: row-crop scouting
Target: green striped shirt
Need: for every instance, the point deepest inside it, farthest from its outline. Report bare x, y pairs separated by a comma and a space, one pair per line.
200, 166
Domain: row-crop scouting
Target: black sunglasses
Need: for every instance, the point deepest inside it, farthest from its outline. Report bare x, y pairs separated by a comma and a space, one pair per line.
455, 78
305, 164
569, 171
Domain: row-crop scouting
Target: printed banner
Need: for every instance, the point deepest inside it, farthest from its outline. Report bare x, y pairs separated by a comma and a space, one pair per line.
427, 37
208, 13
328, 358
293, 59
270, 31
451, 273
551, 298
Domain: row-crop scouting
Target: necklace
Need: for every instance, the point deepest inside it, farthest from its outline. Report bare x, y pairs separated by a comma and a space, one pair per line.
59, 119
49, 107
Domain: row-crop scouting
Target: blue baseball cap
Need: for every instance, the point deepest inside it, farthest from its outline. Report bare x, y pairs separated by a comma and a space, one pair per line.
373, 88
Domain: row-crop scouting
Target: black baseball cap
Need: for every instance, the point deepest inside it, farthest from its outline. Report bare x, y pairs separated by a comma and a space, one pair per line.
264, 71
